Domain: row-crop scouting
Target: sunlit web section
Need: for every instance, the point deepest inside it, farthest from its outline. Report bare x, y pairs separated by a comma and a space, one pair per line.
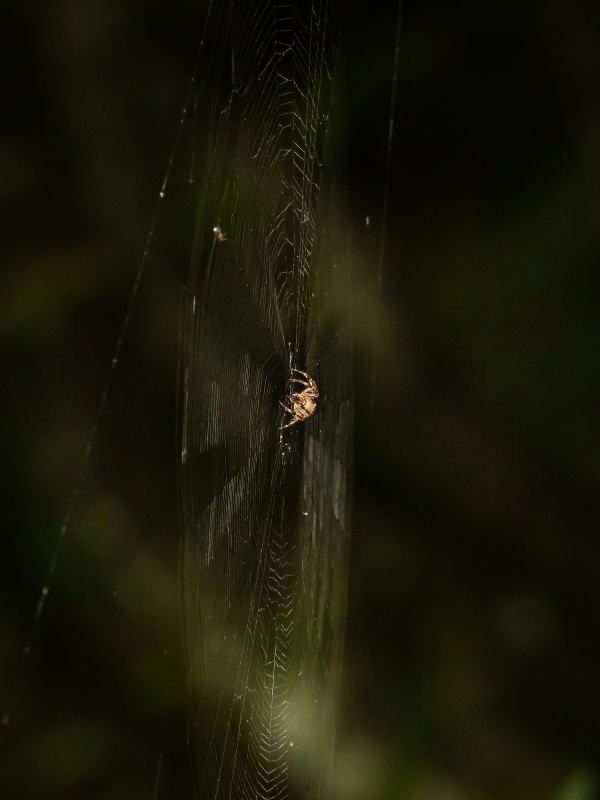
265, 511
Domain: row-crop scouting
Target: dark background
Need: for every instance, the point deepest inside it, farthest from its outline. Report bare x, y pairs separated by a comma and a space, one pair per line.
472, 663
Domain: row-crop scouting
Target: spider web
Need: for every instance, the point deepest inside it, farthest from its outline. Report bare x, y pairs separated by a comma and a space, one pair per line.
265, 511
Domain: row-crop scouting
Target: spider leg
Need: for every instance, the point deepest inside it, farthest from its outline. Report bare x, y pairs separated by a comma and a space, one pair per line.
294, 415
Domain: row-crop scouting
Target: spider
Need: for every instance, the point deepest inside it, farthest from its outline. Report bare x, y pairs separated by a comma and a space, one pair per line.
220, 236
303, 403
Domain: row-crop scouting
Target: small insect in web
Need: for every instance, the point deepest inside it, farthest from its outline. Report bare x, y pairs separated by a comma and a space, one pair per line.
304, 403
220, 235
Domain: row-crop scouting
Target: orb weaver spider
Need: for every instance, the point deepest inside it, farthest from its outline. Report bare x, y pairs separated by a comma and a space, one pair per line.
304, 403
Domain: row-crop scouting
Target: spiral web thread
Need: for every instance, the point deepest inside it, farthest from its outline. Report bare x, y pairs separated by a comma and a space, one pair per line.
265, 511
